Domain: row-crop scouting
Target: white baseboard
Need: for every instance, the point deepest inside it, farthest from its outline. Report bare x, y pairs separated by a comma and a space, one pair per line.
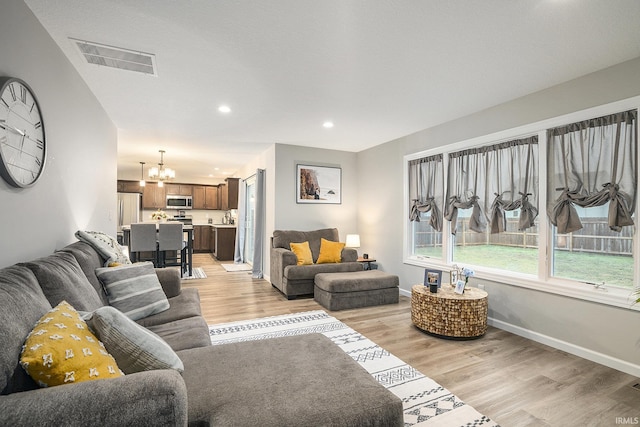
585, 353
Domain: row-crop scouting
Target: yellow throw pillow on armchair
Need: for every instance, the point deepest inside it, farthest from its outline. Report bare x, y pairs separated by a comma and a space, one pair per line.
330, 252
61, 349
303, 252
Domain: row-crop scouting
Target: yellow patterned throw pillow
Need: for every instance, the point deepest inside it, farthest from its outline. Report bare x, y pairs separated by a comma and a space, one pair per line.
330, 252
61, 350
303, 252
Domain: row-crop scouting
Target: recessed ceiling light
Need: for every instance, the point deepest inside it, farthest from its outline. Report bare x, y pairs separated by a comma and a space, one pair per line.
328, 125
224, 109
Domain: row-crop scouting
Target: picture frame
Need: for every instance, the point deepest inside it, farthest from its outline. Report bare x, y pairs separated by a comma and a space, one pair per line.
459, 287
453, 277
432, 277
318, 184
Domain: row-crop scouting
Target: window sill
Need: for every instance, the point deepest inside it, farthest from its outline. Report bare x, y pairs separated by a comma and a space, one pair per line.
614, 296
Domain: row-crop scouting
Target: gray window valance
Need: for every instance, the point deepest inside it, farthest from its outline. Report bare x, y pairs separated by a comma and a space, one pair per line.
426, 189
491, 180
591, 163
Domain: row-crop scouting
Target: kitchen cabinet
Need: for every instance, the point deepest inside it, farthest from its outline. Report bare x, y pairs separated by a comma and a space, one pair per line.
223, 199
232, 192
205, 197
228, 194
129, 186
202, 238
153, 197
179, 189
224, 243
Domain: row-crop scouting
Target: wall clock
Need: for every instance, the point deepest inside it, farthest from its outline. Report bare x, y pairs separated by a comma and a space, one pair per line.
22, 140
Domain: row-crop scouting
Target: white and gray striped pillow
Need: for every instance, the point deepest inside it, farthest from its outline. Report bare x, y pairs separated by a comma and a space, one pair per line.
133, 289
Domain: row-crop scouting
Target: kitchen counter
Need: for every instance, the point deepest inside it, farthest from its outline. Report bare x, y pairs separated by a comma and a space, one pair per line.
216, 225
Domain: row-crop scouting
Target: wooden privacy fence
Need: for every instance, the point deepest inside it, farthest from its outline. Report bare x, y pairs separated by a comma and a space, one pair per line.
595, 236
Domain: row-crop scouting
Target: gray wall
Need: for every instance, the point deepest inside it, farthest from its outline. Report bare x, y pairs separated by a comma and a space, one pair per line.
282, 211
290, 215
607, 334
78, 187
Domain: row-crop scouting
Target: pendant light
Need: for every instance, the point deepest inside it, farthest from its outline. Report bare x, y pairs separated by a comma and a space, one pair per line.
142, 181
161, 173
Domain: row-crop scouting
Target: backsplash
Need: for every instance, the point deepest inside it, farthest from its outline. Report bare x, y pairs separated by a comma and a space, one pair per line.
198, 216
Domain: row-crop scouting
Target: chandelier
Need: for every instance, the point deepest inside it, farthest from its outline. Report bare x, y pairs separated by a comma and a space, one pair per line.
161, 173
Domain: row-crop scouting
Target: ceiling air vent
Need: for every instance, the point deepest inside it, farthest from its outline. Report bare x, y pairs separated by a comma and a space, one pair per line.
116, 57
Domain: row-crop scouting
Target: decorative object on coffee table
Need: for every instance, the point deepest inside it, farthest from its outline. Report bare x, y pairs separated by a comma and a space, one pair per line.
432, 277
446, 314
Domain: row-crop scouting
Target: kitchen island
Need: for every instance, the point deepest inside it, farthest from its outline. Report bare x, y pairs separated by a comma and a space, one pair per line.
218, 239
188, 231
223, 241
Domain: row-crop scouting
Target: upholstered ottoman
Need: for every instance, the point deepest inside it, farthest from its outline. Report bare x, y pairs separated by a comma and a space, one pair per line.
341, 291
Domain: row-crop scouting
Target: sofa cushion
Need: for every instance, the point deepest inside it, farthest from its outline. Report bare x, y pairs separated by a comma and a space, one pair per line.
308, 272
303, 253
330, 252
62, 279
283, 238
89, 260
133, 289
22, 303
135, 348
61, 350
185, 305
184, 333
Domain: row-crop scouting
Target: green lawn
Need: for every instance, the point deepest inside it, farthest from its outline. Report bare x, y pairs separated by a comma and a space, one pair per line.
587, 267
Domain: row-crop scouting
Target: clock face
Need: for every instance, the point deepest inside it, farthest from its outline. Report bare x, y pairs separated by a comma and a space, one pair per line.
22, 139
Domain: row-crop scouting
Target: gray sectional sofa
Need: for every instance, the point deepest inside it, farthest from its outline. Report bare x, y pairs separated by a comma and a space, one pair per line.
291, 381
292, 279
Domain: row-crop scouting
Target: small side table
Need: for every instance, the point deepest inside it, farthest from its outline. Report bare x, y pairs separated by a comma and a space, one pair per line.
446, 314
367, 262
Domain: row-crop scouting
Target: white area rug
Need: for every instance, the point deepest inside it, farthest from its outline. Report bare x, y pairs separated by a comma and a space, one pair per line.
236, 267
198, 273
426, 403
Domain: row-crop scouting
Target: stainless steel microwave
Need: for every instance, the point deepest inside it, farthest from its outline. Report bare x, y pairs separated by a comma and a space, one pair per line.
179, 202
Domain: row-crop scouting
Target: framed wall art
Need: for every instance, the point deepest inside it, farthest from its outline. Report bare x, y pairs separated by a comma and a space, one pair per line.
318, 184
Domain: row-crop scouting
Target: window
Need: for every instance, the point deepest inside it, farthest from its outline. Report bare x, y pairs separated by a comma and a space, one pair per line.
492, 205
592, 186
426, 189
492, 195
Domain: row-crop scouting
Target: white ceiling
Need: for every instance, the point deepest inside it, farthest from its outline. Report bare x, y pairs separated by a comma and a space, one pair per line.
379, 69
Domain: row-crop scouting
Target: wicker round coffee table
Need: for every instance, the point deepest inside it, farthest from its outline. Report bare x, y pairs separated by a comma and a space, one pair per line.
446, 314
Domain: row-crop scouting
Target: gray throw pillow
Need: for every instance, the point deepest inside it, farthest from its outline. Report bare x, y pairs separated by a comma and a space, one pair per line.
62, 279
133, 289
134, 347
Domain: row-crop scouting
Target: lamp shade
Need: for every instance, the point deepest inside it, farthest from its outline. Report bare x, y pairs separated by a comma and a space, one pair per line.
353, 241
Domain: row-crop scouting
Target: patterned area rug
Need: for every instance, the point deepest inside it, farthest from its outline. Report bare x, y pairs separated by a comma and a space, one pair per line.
236, 267
198, 273
426, 403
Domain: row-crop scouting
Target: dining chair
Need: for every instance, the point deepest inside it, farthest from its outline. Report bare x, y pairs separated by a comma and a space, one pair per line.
143, 239
170, 239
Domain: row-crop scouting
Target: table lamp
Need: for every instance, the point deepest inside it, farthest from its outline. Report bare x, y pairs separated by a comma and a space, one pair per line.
353, 241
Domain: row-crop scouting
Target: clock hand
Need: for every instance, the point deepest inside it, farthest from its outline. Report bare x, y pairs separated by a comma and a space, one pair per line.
13, 129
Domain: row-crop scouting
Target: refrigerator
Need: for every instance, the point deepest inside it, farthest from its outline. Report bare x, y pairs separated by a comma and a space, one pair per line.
129, 210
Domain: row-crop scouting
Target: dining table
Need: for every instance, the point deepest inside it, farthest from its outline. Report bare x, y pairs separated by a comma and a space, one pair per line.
188, 231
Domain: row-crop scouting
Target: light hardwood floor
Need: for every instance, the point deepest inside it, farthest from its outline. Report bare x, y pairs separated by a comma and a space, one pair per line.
513, 380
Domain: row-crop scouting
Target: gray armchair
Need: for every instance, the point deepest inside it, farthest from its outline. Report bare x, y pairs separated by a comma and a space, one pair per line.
292, 279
